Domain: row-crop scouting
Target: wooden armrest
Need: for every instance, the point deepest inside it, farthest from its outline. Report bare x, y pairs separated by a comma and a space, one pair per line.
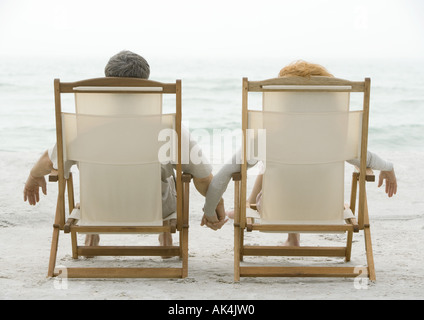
370, 176
173, 225
353, 222
249, 224
253, 206
68, 224
53, 177
236, 176
186, 177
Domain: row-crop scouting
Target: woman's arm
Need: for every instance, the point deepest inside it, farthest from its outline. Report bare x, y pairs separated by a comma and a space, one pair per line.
387, 172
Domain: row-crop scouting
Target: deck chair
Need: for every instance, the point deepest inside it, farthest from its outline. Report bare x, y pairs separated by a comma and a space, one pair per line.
113, 137
310, 132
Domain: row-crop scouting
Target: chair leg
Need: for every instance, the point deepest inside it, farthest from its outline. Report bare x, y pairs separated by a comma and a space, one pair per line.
238, 234
184, 257
53, 251
241, 243
370, 256
74, 245
349, 245
237, 252
55, 239
184, 231
368, 244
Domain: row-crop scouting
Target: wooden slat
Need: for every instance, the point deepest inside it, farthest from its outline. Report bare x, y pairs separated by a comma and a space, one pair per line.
53, 178
294, 251
300, 228
123, 229
128, 251
68, 87
257, 86
369, 174
119, 273
120, 91
303, 271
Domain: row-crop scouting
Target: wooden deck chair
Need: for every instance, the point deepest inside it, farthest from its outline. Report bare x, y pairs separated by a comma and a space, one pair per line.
310, 132
113, 136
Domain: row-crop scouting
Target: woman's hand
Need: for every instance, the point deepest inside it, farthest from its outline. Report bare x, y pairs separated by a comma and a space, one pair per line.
391, 183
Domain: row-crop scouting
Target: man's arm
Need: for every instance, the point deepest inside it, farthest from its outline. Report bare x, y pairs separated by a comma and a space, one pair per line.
36, 179
202, 184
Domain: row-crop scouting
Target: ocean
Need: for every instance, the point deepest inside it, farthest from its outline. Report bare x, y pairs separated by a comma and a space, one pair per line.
211, 95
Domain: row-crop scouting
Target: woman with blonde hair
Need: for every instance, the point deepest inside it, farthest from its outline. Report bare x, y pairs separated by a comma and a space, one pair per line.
220, 181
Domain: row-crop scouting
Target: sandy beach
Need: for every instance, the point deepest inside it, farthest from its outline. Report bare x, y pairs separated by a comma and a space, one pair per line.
397, 227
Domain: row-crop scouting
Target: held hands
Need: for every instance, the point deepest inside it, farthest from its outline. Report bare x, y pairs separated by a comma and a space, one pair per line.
391, 183
31, 190
215, 222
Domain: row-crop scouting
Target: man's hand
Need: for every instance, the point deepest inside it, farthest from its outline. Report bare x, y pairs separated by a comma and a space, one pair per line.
31, 190
391, 183
36, 179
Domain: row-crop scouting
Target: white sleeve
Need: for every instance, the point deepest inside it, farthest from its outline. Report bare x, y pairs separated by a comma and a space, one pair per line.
53, 155
374, 162
52, 152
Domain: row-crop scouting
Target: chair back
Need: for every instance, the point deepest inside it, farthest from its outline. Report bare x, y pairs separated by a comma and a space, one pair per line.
113, 136
310, 132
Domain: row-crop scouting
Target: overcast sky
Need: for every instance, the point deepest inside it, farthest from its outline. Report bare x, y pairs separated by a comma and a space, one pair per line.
370, 28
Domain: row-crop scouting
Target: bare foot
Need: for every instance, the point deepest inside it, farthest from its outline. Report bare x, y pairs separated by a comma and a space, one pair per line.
165, 240
230, 214
293, 240
92, 240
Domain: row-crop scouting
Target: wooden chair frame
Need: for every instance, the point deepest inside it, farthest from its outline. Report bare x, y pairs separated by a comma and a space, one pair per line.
359, 223
69, 226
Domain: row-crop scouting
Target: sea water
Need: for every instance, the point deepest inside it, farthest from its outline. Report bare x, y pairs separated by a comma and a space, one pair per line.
211, 95
211, 98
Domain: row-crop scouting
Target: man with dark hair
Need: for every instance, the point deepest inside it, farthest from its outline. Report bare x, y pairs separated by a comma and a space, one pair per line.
132, 65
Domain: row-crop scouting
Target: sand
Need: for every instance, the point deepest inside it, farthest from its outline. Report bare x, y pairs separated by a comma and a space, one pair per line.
397, 227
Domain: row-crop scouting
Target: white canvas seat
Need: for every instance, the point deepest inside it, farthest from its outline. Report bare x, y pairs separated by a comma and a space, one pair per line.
113, 139
310, 133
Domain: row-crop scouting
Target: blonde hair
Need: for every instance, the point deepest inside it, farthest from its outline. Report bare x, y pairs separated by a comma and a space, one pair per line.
304, 69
